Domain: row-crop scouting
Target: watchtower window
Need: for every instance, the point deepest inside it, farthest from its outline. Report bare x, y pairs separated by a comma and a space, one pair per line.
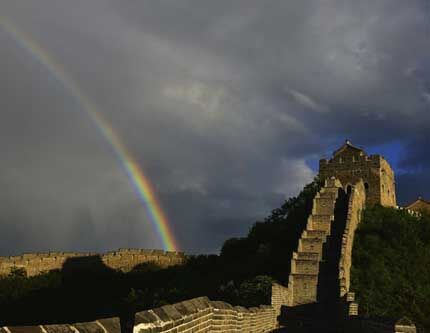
366, 187
353, 158
340, 160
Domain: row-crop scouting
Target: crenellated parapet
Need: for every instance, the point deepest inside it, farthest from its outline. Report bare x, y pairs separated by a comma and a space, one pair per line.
202, 315
194, 315
356, 205
122, 259
107, 325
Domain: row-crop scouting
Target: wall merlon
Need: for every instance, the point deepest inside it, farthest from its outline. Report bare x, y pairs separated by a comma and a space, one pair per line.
202, 315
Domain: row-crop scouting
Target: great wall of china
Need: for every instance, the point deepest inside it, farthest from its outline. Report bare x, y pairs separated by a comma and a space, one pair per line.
123, 259
318, 290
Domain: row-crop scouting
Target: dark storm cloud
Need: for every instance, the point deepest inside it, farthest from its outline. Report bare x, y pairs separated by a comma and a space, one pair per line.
221, 102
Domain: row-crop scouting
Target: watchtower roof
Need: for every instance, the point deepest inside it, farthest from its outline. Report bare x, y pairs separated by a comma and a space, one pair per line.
419, 201
348, 146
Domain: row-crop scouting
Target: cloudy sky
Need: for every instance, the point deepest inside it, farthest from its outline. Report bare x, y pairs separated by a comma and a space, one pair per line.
226, 105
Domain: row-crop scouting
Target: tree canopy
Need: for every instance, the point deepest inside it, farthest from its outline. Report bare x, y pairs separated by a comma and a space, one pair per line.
391, 265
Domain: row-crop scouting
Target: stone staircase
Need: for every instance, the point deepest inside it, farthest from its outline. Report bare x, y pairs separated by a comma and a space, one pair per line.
314, 303
306, 262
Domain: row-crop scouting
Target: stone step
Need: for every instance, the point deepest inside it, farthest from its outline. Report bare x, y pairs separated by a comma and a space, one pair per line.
332, 183
353, 309
321, 234
328, 195
321, 223
304, 266
310, 245
322, 218
324, 206
304, 288
307, 256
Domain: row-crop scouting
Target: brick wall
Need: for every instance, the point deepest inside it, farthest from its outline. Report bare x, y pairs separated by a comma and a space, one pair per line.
356, 206
195, 315
202, 315
123, 259
280, 296
109, 325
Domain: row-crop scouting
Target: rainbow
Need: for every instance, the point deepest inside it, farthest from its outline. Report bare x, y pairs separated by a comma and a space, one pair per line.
138, 179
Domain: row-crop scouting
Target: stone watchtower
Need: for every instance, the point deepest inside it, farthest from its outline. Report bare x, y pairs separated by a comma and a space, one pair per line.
349, 164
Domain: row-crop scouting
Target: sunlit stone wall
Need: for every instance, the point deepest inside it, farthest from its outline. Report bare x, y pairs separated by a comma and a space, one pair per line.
123, 259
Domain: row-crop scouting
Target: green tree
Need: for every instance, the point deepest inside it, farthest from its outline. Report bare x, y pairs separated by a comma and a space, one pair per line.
391, 265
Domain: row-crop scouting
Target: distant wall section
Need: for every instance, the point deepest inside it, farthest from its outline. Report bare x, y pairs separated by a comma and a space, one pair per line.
123, 259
